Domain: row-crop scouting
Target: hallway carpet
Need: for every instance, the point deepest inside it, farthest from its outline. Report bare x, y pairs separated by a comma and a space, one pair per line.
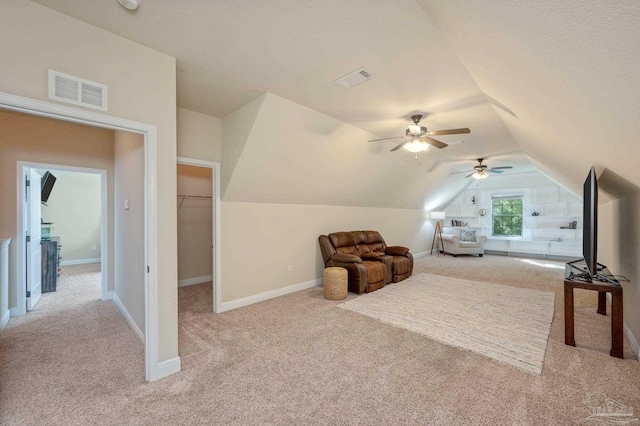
299, 359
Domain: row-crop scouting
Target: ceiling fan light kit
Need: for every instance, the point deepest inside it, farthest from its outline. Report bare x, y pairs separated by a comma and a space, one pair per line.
417, 138
481, 171
480, 174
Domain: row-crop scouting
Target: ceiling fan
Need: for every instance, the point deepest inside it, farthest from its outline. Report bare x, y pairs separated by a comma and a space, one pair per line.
418, 139
481, 171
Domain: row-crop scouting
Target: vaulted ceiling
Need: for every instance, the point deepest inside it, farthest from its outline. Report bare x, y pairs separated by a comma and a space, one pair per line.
553, 82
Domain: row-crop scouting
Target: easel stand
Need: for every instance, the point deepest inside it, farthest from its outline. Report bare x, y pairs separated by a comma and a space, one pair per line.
602, 283
437, 239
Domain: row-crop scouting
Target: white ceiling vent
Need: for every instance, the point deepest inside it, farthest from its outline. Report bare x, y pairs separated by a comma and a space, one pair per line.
358, 76
77, 91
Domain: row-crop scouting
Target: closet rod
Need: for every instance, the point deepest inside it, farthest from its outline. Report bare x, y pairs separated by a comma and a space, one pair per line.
192, 197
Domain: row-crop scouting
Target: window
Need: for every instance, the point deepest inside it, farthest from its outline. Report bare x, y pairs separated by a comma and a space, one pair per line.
507, 216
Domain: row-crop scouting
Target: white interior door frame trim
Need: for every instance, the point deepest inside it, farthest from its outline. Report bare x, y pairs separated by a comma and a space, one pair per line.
217, 227
104, 224
149, 132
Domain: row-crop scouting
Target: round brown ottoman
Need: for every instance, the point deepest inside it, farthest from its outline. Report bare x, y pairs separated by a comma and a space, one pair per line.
335, 283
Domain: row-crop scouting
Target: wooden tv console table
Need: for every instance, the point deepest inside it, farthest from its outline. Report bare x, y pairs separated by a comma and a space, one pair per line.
602, 287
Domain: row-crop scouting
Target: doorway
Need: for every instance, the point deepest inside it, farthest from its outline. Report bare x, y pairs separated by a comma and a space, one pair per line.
199, 196
154, 370
65, 223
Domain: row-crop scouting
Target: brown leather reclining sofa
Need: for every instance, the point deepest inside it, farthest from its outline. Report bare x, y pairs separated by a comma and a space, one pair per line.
369, 261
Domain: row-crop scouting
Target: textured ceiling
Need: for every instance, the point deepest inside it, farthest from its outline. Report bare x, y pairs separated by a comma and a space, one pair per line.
557, 80
230, 52
568, 70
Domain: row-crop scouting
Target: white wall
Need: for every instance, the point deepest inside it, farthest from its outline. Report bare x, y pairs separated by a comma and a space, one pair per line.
619, 240
195, 225
142, 87
129, 233
260, 240
74, 208
199, 136
556, 208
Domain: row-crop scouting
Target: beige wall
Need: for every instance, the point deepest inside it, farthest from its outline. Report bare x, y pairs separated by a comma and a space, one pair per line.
195, 223
41, 140
142, 87
260, 240
129, 233
619, 249
199, 136
236, 129
74, 208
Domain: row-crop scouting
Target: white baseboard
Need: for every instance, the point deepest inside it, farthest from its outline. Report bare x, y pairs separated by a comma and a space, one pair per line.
250, 300
15, 312
169, 367
421, 254
196, 280
5, 319
128, 317
632, 340
79, 261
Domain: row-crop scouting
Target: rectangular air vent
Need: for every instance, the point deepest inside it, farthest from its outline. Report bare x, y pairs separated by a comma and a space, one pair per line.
77, 91
358, 76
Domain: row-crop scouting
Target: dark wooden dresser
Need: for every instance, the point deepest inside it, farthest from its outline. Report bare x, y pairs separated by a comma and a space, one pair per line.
50, 263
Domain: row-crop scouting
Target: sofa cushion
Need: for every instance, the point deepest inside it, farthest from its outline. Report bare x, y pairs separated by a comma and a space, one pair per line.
469, 244
401, 265
375, 271
352, 250
344, 242
342, 239
468, 235
371, 254
375, 242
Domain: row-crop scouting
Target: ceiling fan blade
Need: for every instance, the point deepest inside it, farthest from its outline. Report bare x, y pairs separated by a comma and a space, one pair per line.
498, 168
435, 142
495, 171
463, 171
449, 132
398, 146
470, 175
386, 139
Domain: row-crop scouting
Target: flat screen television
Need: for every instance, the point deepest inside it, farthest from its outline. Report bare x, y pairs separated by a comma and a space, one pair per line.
46, 186
590, 223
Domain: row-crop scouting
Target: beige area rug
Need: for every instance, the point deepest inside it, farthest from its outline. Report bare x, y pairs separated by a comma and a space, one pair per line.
510, 325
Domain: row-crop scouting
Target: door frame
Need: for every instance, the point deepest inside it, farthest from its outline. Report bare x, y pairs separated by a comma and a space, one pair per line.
153, 369
217, 225
23, 166
27, 254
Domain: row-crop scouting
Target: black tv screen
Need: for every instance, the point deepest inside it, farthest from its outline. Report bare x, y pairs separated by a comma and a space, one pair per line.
46, 186
590, 223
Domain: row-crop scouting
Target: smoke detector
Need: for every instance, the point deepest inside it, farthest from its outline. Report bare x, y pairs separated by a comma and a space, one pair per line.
354, 78
130, 4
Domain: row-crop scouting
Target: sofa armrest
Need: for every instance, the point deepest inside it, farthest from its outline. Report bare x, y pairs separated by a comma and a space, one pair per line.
345, 258
396, 251
450, 238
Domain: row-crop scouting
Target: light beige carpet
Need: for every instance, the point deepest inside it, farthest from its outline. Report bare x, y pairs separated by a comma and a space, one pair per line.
297, 360
510, 325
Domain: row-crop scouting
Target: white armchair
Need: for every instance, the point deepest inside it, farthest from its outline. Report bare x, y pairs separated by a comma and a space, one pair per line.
458, 240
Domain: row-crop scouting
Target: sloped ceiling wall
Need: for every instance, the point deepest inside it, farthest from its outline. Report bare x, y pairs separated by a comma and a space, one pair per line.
568, 71
291, 154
